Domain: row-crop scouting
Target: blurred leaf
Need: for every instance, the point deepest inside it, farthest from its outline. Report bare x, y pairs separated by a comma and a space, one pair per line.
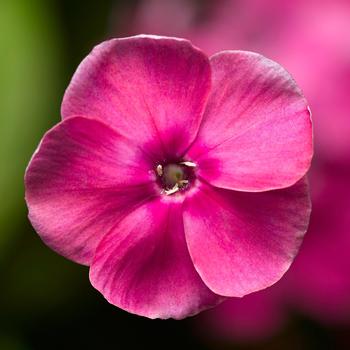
30, 63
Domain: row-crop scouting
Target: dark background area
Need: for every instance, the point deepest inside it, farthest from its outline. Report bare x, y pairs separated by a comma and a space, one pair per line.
47, 301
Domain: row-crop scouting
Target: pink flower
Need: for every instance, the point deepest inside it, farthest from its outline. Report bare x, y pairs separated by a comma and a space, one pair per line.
295, 34
178, 179
318, 283
311, 39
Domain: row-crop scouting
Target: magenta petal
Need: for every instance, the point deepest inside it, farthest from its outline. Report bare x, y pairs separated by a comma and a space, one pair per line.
256, 132
150, 88
242, 242
82, 179
143, 265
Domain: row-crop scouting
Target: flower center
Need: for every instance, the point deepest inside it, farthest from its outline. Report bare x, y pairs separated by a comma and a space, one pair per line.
174, 177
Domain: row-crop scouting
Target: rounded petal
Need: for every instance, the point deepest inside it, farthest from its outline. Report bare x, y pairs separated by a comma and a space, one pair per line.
149, 88
256, 133
143, 265
242, 242
81, 180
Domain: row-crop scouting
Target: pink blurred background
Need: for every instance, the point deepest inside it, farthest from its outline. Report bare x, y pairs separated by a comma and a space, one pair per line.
311, 39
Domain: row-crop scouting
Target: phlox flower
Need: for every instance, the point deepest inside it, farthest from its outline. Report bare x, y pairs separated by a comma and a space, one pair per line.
311, 39
318, 282
179, 179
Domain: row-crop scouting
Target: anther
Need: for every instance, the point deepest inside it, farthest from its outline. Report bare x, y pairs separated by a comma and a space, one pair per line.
172, 190
189, 164
159, 170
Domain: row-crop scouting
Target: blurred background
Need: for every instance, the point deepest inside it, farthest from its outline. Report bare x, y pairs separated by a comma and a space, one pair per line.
47, 301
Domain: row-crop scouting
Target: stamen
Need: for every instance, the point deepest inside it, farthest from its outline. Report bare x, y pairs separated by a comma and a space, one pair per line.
182, 183
189, 164
159, 170
174, 177
172, 190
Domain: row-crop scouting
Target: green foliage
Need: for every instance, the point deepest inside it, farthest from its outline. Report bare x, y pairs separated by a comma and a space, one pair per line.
30, 64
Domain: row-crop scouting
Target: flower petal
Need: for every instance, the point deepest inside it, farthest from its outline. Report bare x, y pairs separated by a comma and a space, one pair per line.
82, 179
256, 133
143, 265
149, 88
242, 242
